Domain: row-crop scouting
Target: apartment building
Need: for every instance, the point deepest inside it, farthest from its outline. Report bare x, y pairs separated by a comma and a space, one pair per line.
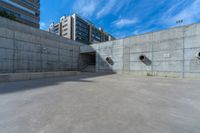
55, 28
66, 23
25, 11
76, 28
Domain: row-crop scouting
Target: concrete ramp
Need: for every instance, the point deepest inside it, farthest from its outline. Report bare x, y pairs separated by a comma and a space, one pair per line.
87, 49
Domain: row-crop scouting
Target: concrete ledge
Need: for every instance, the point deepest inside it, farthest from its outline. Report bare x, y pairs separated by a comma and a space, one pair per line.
192, 75
150, 73
29, 76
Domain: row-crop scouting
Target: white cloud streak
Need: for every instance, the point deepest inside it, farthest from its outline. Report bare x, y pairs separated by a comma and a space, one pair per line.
43, 26
98, 8
125, 22
106, 9
188, 14
85, 8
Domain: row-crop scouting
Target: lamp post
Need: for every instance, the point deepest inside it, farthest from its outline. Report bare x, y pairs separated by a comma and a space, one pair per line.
179, 22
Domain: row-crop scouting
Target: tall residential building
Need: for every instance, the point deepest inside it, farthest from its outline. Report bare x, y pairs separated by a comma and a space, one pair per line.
25, 11
76, 28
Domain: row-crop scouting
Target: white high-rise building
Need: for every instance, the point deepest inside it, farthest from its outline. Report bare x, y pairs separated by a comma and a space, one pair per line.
76, 28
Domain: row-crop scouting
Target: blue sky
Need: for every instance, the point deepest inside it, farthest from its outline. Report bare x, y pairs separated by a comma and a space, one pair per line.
124, 18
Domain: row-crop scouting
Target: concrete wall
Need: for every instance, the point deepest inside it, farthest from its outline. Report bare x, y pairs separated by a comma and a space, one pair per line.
171, 53
25, 49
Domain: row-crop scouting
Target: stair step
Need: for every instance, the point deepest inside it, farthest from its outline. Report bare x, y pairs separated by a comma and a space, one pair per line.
90, 68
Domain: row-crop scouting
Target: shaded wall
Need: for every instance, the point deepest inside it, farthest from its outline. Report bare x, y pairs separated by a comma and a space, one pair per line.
25, 49
171, 52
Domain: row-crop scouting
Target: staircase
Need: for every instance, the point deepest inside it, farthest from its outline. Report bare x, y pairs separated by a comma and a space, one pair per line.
89, 68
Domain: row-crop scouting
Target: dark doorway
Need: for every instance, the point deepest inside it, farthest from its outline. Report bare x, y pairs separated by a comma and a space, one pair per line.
88, 62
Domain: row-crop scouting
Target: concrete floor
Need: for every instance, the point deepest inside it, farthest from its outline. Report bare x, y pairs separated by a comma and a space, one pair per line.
91, 103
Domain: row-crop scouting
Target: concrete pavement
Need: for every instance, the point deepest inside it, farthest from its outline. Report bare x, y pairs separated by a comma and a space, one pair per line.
92, 103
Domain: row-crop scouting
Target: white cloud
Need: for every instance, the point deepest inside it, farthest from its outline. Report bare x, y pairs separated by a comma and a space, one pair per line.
106, 9
121, 5
85, 8
43, 26
143, 31
120, 34
112, 7
188, 14
125, 22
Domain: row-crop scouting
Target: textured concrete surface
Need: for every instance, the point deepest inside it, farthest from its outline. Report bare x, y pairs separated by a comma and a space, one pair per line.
25, 49
91, 103
171, 52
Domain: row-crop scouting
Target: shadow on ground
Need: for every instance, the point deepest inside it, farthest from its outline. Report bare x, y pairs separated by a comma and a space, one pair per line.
86, 59
17, 86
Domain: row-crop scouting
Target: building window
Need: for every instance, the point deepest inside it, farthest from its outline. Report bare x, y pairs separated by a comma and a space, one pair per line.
66, 29
65, 25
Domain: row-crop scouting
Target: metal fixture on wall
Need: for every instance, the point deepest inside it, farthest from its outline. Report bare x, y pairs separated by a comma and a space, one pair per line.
145, 60
109, 60
198, 55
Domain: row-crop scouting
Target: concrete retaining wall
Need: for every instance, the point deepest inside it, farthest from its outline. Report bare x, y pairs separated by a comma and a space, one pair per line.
170, 52
25, 49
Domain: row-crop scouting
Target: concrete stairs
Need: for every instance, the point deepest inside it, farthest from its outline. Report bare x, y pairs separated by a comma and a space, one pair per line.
90, 68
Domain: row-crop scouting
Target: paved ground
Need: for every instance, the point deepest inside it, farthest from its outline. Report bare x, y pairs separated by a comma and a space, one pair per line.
100, 104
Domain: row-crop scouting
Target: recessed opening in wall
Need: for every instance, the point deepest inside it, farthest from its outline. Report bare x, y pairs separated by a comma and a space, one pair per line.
142, 58
88, 62
198, 55
109, 60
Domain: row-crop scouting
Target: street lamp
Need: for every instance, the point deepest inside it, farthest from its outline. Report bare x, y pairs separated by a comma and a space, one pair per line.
179, 22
